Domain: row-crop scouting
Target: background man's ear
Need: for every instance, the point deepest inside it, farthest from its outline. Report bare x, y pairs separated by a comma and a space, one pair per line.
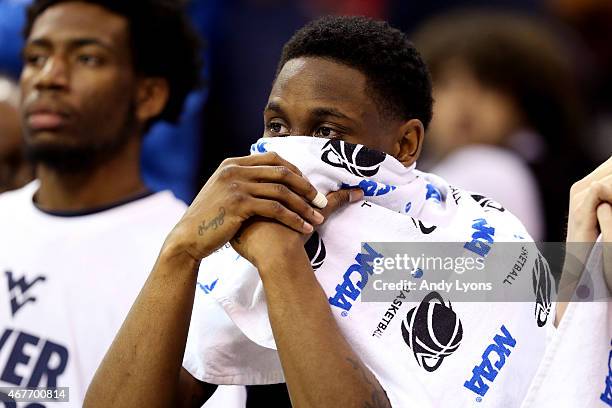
410, 142
151, 97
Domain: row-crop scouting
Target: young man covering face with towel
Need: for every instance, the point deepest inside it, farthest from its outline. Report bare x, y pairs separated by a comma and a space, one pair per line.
342, 81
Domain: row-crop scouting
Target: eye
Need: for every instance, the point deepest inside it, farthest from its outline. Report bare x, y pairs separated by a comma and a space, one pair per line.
33, 59
326, 131
277, 128
89, 60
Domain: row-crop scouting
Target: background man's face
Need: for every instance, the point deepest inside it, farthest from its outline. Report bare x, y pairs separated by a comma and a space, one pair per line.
322, 98
77, 83
469, 112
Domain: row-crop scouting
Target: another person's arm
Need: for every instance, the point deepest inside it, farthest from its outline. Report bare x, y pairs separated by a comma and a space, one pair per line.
589, 215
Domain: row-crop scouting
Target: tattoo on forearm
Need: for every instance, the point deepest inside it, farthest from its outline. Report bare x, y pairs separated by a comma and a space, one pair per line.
378, 395
212, 224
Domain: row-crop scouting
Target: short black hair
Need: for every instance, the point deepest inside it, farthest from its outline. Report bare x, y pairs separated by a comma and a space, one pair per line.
163, 43
398, 79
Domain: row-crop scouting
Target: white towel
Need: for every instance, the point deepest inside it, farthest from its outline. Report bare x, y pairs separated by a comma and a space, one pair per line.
425, 349
576, 370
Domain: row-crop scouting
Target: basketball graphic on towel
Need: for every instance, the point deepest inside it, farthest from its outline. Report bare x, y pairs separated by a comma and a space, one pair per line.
315, 249
356, 159
433, 331
542, 287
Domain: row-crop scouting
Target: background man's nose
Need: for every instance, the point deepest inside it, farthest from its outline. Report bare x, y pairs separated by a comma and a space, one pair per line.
53, 75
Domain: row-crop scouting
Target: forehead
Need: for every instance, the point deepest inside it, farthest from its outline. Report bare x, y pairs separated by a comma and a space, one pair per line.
66, 21
311, 81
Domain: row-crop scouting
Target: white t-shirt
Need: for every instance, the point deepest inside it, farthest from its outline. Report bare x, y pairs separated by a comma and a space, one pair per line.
67, 283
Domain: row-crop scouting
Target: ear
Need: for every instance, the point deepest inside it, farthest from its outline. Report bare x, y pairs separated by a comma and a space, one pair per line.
151, 97
410, 142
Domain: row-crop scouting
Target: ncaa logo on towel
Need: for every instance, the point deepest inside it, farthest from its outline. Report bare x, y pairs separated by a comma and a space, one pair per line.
542, 284
433, 331
607, 394
356, 159
433, 193
485, 370
315, 249
371, 188
354, 280
259, 147
482, 238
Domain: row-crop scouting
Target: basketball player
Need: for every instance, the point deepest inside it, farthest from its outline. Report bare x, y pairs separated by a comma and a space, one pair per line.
76, 245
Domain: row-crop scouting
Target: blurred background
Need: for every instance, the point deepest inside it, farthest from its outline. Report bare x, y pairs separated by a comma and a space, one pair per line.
523, 93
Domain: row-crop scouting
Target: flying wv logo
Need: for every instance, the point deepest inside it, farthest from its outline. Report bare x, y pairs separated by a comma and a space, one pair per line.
18, 291
485, 371
356, 159
208, 288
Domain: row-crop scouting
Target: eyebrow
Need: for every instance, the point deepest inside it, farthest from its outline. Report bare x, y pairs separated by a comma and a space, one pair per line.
328, 111
72, 43
317, 112
273, 106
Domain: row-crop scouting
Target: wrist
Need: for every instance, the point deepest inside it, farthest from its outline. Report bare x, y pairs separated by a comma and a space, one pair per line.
287, 251
286, 263
177, 255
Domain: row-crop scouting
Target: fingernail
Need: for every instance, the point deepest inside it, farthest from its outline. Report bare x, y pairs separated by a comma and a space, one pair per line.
307, 228
318, 217
355, 195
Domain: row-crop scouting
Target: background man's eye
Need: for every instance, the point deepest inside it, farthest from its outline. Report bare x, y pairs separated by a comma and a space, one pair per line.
35, 59
89, 60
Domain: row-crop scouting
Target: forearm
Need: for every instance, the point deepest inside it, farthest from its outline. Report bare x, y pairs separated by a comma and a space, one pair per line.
317, 360
142, 366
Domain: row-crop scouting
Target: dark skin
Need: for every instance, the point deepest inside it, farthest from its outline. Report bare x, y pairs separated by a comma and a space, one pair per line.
264, 203
79, 88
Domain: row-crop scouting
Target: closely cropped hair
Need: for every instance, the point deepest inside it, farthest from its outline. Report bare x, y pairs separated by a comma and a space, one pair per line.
163, 42
398, 80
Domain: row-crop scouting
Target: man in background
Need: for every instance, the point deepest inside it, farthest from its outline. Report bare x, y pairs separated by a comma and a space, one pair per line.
77, 244
507, 116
